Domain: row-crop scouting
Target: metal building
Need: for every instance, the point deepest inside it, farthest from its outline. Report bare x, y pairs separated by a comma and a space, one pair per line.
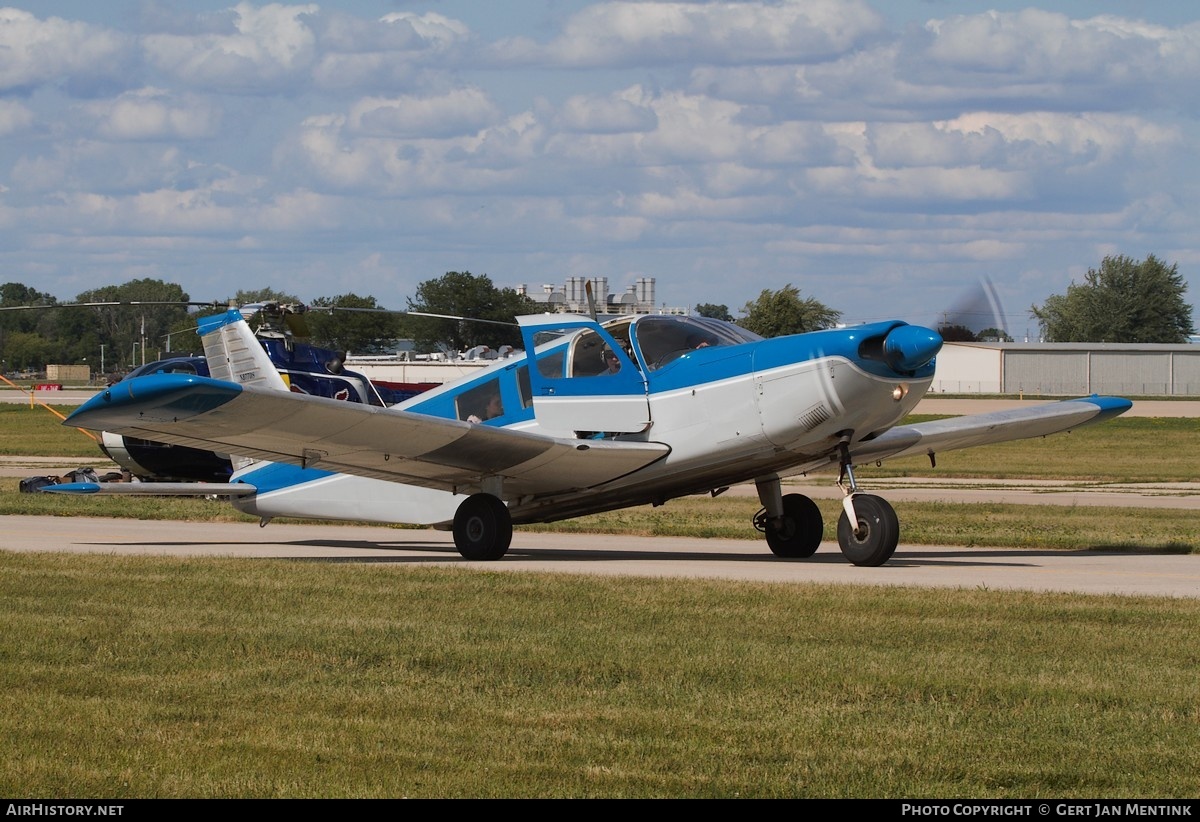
1068, 369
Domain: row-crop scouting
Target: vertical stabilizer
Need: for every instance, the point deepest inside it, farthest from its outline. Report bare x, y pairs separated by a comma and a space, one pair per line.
235, 355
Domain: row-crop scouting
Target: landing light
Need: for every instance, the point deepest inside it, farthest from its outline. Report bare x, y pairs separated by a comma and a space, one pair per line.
899, 392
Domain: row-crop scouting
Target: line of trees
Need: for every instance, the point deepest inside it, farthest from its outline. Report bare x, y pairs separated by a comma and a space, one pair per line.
1122, 301
156, 319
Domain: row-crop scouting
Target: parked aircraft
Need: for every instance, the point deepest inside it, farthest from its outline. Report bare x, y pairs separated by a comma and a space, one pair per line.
306, 369
689, 406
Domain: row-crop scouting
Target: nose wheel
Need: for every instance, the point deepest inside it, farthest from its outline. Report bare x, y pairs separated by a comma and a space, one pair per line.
872, 540
868, 529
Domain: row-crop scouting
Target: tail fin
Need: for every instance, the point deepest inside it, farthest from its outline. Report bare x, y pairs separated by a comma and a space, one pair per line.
235, 355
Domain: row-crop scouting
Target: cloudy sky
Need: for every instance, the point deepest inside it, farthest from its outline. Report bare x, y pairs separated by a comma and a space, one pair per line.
883, 157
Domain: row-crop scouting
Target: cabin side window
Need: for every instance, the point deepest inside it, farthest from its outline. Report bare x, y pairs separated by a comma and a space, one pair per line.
480, 403
524, 389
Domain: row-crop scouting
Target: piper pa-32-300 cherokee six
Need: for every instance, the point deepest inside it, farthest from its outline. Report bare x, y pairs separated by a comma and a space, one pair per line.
593, 417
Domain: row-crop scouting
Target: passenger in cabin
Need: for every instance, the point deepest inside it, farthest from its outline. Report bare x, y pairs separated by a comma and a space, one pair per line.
492, 409
611, 361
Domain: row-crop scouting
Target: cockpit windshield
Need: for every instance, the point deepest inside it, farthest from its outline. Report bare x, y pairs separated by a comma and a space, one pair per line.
662, 339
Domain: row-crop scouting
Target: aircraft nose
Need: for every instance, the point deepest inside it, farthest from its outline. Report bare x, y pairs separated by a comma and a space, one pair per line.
908, 347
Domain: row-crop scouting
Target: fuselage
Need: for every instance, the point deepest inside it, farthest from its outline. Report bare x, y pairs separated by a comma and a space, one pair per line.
731, 408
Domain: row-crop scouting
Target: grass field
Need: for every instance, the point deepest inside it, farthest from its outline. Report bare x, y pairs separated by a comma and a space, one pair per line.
136, 677
161, 677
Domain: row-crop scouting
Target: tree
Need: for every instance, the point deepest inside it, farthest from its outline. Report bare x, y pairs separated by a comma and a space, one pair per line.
131, 334
371, 331
37, 321
716, 312
265, 295
465, 295
25, 351
993, 335
956, 333
1124, 301
776, 313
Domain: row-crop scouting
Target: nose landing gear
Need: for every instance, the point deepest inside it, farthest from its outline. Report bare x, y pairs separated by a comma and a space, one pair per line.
868, 529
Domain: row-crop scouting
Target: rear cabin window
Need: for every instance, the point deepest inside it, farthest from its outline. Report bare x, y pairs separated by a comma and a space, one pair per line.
481, 403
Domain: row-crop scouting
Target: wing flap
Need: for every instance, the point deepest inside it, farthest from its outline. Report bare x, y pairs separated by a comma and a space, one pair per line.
380, 443
985, 429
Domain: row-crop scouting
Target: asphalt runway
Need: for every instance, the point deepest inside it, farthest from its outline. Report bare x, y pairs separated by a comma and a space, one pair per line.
1168, 575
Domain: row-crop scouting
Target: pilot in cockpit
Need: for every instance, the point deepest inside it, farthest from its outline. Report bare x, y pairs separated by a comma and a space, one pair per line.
612, 363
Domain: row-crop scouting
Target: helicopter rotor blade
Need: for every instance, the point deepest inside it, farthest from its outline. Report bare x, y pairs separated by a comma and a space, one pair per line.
332, 308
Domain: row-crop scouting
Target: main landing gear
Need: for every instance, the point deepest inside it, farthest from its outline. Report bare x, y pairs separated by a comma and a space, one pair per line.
792, 524
482, 527
867, 530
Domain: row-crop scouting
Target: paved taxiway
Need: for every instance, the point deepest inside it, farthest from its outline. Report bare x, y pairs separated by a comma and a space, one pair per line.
749, 560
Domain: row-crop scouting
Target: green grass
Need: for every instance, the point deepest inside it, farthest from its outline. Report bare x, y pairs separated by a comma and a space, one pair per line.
38, 431
1133, 449
134, 677
159, 677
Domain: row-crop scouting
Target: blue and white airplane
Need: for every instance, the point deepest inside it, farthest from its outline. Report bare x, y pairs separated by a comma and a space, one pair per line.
593, 417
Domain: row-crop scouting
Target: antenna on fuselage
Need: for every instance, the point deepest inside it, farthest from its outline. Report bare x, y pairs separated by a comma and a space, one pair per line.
591, 298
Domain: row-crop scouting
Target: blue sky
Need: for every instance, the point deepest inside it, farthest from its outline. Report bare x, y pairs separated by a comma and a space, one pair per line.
883, 157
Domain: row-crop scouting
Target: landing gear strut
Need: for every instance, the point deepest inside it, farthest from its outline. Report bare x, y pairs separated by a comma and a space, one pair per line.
482, 527
868, 529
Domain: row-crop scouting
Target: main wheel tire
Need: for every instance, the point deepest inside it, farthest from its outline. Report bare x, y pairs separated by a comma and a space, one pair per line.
482, 527
797, 534
878, 532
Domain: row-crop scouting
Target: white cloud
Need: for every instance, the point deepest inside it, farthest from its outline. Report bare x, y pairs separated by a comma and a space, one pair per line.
640, 33
270, 45
605, 114
460, 111
434, 31
34, 51
680, 140
1042, 54
153, 114
387, 53
14, 116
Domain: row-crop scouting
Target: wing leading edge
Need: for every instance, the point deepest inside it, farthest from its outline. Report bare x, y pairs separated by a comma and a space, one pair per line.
928, 438
366, 441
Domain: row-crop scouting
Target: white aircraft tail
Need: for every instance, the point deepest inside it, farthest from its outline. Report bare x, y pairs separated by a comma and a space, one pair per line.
235, 355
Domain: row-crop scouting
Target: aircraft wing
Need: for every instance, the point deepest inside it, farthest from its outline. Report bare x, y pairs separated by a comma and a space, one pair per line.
971, 430
351, 438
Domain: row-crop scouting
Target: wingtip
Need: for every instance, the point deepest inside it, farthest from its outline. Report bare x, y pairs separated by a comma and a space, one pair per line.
1110, 406
73, 488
